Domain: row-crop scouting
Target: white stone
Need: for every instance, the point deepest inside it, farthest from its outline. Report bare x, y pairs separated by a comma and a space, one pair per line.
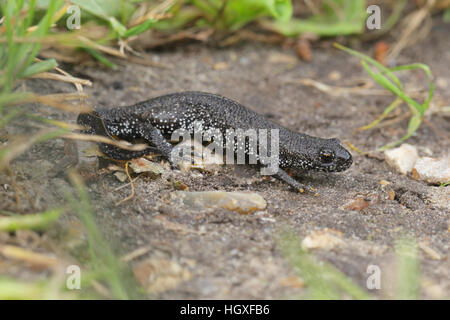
433, 170
402, 158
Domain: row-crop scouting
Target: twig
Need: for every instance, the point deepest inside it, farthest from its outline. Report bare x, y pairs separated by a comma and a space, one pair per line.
127, 184
99, 47
136, 253
78, 82
64, 78
132, 186
337, 91
35, 259
103, 139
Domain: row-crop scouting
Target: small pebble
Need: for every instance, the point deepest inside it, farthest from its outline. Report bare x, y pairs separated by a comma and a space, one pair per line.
121, 176
334, 76
325, 239
241, 202
144, 165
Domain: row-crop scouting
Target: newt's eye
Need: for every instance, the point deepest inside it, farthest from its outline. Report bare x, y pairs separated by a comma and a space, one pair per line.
326, 156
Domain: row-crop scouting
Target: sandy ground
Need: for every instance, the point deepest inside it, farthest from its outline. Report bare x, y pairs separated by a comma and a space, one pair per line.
216, 253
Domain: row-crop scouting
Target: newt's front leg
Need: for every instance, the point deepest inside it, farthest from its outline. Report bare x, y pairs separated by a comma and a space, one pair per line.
284, 176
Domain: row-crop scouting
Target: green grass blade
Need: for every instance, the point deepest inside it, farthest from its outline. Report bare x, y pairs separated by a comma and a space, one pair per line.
105, 10
413, 125
102, 256
30, 14
305, 266
427, 71
30, 221
101, 58
117, 26
322, 279
9, 12
238, 13
93, 7
38, 67
396, 88
206, 6
295, 27
28, 51
10, 98
446, 16
371, 61
11, 289
334, 18
386, 112
408, 270
382, 80
140, 28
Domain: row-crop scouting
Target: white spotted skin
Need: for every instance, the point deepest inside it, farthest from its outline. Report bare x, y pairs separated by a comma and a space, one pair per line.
180, 110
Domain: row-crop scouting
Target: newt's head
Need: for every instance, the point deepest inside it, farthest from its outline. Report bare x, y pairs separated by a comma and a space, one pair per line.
317, 154
92, 122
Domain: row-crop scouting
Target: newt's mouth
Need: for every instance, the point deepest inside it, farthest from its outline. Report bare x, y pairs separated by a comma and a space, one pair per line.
337, 166
344, 160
